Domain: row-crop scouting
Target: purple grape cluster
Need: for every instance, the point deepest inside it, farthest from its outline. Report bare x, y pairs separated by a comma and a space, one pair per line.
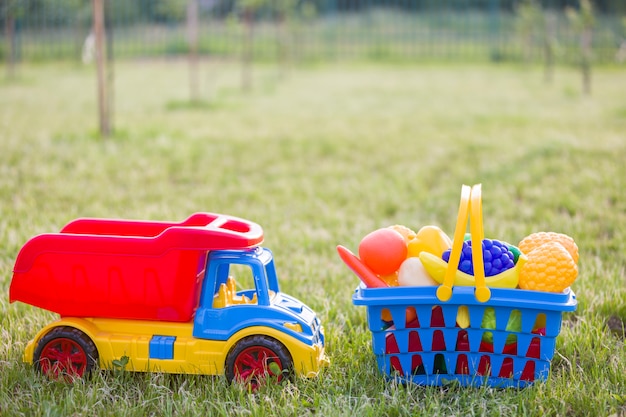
497, 257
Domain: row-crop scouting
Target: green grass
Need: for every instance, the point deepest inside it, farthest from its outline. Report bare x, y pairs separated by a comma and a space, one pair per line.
321, 156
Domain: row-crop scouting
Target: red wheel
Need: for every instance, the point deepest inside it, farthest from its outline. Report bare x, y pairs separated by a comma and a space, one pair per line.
258, 358
65, 352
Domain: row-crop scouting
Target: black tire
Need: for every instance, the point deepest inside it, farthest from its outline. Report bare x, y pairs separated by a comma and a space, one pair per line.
257, 358
65, 352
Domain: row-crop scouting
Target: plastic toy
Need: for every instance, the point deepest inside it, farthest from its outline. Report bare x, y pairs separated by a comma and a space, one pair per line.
429, 239
383, 250
160, 296
413, 274
537, 239
470, 329
437, 269
365, 274
497, 256
550, 267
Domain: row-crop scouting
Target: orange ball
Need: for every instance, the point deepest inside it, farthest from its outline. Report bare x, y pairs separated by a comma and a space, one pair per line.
383, 251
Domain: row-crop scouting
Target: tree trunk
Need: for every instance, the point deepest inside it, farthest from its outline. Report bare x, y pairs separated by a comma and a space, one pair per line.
549, 47
192, 32
585, 43
9, 25
248, 42
101, 62
282, 44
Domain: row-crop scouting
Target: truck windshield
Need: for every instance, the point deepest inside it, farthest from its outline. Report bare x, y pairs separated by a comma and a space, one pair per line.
247, 279
242, 274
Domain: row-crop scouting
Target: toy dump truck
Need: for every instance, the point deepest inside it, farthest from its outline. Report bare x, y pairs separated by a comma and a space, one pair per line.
161, 296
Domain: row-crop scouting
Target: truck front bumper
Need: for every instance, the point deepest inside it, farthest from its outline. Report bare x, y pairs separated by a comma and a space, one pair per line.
29, 351
308, 361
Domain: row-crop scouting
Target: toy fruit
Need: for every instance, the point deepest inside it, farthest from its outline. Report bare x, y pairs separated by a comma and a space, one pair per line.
407, 233
535, 240
366, 275
550, 268
413, 274
391, 279
462, 317
429, 239
514, 250
514, 324
464, 332
383, 250
436, 268
497, 257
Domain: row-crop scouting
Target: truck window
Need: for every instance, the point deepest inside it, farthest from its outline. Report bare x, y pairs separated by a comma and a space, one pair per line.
235, 285
243, 277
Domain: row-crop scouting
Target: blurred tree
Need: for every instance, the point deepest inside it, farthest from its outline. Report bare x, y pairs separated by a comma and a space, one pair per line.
529, 17
11, 10
308, 10
305, 13
291, 17
620, 56
583, 21
283, 13
192, 40
247, 10
550, 44
169, 10
537, 24
63, 13
123, 12
104, 103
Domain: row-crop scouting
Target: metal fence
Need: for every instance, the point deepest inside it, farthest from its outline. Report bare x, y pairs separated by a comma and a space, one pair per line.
315, 30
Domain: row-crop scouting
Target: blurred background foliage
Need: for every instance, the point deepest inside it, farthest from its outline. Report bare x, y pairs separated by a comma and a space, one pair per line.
318, 30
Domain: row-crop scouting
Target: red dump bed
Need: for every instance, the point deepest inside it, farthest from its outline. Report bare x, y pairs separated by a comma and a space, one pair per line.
125, 268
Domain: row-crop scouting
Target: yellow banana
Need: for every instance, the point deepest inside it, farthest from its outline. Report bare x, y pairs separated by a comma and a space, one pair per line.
436, 267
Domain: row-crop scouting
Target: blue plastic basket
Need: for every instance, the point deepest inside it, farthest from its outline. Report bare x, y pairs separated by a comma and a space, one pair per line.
474, 335
415, 337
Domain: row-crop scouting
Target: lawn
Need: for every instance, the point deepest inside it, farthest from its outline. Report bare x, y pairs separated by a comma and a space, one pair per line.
321, 156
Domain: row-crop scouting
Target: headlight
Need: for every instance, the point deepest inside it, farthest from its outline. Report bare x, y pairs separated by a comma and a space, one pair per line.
293, 326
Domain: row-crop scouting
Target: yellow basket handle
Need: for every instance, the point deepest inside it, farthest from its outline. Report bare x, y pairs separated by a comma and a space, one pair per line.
470, 206
444, 292
477, 233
